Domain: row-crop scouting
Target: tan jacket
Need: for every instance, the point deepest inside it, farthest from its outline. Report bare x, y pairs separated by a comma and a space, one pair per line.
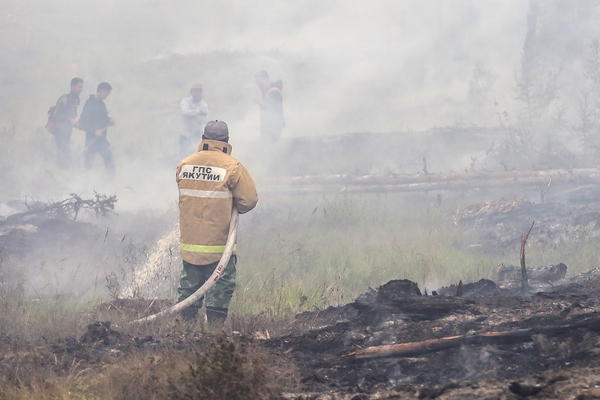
210, 182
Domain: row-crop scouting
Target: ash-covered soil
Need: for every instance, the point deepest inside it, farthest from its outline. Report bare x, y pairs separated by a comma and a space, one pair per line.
548, 346
498, 225
484, 340
553, 348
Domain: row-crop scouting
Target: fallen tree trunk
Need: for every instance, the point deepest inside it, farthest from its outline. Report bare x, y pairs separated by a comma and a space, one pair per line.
428, 182
588, 174
432, 345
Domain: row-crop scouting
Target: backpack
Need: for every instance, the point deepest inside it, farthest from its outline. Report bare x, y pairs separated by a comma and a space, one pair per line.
51, 124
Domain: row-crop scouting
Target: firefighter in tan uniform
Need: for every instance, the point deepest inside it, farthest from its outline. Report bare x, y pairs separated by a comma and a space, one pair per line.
210, 183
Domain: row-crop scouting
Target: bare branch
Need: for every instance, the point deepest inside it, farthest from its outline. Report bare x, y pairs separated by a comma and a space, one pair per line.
524, 282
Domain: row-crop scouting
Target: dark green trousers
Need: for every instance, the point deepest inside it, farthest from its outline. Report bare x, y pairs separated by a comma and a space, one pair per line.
194, 276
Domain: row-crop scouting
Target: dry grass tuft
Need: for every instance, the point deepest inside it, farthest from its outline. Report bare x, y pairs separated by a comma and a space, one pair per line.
225, 372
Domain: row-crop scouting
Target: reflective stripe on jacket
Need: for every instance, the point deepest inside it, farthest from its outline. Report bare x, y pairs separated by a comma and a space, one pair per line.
210, 182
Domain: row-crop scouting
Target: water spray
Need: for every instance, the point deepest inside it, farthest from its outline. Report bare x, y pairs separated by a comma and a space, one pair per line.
210, 282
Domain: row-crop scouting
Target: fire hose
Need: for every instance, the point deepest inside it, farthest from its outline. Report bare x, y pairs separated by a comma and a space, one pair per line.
210, 282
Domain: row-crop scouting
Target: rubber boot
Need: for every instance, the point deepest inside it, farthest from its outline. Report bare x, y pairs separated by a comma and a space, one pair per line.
216, 316
189, 314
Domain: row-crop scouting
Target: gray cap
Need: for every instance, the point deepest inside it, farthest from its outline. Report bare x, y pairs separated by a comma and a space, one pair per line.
216, 130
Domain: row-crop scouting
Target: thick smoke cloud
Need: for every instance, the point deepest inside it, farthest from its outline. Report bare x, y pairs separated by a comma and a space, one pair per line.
347, 66
384, 67
381, 60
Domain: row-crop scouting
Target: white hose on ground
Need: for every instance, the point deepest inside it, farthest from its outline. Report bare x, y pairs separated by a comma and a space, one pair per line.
210, 282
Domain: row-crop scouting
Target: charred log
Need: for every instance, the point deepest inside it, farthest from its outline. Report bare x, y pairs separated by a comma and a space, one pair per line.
487, 338
483, 287
546, 274
403, 298
415, 308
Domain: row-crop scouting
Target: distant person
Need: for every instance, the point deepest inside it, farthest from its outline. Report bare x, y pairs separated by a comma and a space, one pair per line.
195, 115
210, 183
65, 118
95, 121
271, 107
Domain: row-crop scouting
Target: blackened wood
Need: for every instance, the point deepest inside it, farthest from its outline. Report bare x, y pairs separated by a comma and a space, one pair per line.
410, 349
524, 283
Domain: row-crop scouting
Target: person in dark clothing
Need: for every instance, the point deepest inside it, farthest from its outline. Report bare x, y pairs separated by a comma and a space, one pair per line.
271, 107
95, 122
65, 117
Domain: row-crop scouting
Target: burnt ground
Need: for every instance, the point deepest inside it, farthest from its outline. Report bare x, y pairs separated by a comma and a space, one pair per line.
496, 225
553, 351
549, 346
557, 357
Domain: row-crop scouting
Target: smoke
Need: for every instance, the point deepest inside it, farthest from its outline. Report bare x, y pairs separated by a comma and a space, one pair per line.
359, 59
347, 66
383, 67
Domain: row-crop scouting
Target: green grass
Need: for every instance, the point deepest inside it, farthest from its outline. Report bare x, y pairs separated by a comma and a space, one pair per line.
298, 257
51, 318
291, 262
293, 258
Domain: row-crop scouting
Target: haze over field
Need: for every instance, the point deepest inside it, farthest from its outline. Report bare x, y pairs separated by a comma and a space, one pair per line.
370, 65
346, 66
511, 84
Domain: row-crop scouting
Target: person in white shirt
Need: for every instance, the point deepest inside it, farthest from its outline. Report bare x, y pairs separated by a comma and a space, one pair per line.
195, 115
